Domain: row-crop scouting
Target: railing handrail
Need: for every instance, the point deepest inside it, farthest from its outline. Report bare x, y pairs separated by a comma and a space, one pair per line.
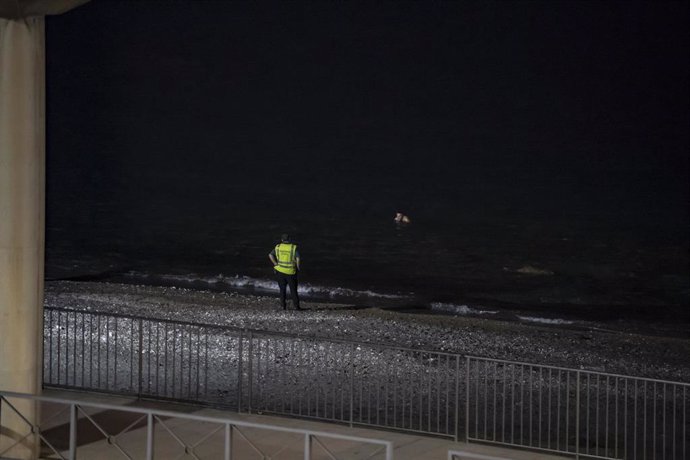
200, 418
462, 356
581, 371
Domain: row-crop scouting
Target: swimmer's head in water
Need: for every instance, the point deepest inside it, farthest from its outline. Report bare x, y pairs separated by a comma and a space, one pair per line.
401, 218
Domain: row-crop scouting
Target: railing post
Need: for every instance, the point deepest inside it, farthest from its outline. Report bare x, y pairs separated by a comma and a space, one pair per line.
72, 431
149, 436
467, 399
352, 385
228, 442
250, 379
307, 446
141, 357
240, 370
457, 399
577, 414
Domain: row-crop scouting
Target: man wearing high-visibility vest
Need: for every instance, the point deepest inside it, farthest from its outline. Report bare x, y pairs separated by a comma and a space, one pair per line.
285, 260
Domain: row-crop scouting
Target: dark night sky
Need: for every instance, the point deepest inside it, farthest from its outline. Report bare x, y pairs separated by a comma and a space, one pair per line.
568, 99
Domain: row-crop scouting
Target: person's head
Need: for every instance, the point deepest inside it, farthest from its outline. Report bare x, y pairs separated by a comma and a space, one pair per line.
284, 238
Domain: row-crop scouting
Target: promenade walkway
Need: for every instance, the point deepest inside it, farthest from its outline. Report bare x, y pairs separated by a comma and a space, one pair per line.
92, 443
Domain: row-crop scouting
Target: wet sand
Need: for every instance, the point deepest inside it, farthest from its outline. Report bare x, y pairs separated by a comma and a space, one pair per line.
619, 352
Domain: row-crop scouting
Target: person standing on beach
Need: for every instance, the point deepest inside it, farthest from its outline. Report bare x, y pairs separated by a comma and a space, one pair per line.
285, 260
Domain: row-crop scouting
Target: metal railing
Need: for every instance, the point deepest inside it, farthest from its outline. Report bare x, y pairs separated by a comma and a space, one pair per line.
588, 414
578, 412
253, 371
155, 422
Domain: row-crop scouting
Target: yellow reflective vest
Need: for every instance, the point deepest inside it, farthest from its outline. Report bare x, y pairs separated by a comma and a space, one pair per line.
285, 255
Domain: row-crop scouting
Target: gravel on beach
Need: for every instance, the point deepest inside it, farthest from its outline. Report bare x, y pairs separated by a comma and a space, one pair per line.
616, 352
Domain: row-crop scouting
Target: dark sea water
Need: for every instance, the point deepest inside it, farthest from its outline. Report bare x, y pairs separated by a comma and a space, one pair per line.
469, 248
545, 170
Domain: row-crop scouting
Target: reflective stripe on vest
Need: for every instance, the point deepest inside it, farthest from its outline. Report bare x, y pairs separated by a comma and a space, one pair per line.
285, 255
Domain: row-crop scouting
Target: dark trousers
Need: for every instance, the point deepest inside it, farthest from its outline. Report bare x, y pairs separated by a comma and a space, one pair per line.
283, 281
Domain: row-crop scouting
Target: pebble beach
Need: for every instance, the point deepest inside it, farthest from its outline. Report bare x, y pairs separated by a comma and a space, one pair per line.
595, 348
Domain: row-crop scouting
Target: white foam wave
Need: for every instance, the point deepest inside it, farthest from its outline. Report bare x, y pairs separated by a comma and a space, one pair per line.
343, 292
537, 319
460, 309
269, 285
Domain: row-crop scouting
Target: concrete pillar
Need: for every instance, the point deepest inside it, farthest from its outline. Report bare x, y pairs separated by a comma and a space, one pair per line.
22, 220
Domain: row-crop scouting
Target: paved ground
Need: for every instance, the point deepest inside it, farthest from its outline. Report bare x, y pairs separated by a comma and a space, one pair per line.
207, 439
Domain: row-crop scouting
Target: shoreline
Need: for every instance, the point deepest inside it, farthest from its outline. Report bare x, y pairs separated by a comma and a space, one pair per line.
613, 351
644, 319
